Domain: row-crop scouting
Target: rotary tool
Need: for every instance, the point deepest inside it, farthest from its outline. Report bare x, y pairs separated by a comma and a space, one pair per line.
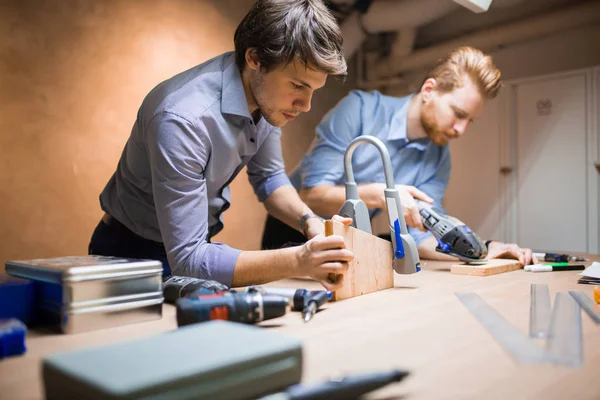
453, 236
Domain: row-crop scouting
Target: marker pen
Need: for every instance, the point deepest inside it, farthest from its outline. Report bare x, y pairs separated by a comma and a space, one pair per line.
557, 257
550, 268
560, 264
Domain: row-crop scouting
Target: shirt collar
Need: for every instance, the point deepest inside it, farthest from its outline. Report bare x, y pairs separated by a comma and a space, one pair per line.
233, 100
398, 128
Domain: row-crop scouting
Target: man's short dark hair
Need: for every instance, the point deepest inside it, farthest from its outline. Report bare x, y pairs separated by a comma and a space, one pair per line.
281, 31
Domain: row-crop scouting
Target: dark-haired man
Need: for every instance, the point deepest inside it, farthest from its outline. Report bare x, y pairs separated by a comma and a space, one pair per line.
197, 130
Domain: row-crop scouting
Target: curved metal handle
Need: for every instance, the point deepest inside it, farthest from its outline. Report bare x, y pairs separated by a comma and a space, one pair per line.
385, 158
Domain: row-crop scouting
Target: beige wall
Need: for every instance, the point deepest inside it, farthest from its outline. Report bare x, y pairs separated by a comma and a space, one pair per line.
562, 51
72, 76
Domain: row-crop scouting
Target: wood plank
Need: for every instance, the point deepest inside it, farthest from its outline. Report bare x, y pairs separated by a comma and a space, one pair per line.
371, 270
492, 267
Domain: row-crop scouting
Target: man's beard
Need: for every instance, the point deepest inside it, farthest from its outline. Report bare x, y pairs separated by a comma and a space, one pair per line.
270, 114
431, 127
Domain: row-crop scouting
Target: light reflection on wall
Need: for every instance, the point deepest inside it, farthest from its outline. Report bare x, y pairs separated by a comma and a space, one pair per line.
73, 75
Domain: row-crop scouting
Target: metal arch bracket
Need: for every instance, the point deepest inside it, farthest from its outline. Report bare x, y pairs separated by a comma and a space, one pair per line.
406, 256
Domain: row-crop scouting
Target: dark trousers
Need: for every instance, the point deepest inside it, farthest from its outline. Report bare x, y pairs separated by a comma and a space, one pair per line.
112, 238
277, 235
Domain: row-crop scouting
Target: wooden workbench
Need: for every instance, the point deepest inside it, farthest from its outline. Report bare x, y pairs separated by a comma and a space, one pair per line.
418, 325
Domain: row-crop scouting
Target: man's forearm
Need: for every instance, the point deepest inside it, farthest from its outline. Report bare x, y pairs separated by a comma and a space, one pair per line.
258, 267
327, 199
427, 251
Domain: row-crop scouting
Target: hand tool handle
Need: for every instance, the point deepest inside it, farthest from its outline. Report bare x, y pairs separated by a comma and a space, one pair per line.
328, 227
328, 232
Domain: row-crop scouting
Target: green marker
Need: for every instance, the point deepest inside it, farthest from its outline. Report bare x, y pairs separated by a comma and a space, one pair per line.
554, 267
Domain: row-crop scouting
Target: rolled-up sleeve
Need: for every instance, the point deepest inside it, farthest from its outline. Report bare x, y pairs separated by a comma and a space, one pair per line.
324, 165
435, 187
266, 170
178, 152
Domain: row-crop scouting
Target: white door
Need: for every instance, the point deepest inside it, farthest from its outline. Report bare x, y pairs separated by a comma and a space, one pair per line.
551, 118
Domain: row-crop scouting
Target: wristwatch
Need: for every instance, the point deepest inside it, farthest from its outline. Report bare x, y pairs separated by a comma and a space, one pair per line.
305, 218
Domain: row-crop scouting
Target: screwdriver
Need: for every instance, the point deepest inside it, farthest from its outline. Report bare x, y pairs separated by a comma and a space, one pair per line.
314, 300
303, 300
247, 307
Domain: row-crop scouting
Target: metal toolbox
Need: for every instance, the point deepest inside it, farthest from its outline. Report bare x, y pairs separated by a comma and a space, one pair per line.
83, 293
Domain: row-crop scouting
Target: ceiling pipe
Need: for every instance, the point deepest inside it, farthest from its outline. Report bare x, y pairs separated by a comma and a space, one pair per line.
546, 24
391, 16
402, 47
353, 35
387, 16
405, 42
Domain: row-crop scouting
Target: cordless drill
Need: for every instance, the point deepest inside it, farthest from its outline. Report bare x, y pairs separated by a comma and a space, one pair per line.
245, 307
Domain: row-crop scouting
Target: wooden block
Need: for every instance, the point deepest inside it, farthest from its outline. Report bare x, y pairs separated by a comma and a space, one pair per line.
371, 270
492, 267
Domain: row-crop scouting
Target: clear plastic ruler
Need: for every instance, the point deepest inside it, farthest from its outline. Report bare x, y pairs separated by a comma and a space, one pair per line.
523, 348
540, 311
587, 304
565, 345
560, 326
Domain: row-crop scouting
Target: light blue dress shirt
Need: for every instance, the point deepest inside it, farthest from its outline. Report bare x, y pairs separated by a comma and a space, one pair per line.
419, 163
192, 136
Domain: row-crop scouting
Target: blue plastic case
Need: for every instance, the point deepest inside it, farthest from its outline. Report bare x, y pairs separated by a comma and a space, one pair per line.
12, 337
16, 298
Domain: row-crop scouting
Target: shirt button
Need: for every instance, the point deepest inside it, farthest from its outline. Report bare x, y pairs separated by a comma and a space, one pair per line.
251, 140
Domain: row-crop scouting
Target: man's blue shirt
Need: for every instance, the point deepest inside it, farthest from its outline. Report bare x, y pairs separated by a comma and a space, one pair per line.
419, 163
192, 136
